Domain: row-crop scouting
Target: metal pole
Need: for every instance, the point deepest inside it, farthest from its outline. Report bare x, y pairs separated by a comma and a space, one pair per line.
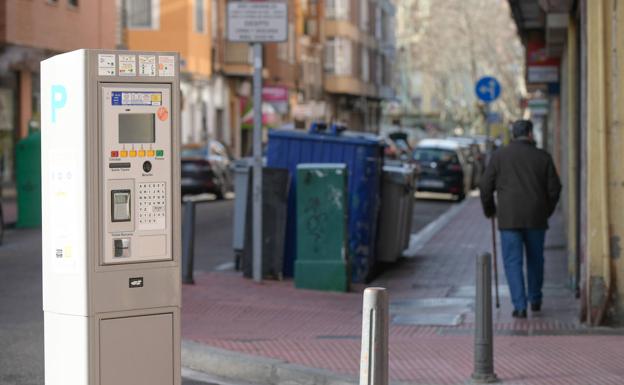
495, 257
488, 134
374, 358
188, 242
484, 340
257, 164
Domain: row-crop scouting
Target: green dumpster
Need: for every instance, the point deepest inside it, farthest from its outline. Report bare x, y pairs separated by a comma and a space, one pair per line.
28, 178
322, 262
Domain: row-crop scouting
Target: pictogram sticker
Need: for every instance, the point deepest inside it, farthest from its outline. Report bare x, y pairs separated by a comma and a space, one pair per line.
162, 113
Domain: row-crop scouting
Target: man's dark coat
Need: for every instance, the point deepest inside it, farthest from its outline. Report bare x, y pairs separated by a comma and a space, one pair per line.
526, 183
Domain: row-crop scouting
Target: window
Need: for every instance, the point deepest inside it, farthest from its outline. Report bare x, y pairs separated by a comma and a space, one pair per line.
338, 57
365, 65
142, 14
214, 18
313, 8
379, 15
282, 51
330, 58
379, 70
364, 14
338, 9
200, 16
291, 43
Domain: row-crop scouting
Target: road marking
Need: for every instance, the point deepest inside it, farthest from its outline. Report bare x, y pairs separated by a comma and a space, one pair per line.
225, 266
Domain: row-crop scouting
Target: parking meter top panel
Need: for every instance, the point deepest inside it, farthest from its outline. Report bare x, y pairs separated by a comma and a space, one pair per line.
136, 146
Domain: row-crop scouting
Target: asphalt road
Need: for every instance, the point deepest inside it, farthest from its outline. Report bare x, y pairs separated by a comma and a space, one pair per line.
214, 228
21, 317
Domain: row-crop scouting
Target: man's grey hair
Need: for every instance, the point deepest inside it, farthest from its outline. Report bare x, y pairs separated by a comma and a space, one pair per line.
522, 128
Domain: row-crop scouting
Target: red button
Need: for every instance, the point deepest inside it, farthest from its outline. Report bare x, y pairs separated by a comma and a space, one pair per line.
114, 154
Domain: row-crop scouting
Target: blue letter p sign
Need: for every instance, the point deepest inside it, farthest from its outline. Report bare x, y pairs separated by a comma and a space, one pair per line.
59, 97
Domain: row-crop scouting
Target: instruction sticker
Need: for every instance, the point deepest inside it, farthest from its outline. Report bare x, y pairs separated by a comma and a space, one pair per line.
166, 65
106, 64
122, 98
127, 65
147, 65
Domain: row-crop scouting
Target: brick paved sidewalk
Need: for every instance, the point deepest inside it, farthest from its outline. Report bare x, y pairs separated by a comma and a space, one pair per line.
431, 332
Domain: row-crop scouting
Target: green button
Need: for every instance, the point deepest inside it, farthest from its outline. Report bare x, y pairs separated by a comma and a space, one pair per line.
160, 153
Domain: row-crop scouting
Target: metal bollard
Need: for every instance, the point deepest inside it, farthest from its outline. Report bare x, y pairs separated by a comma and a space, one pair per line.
484, 341
374, 358
188, 241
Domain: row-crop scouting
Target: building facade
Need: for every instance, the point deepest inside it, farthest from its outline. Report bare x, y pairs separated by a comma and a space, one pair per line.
183, 26
359, 49
575, 58
335, 66
31, 31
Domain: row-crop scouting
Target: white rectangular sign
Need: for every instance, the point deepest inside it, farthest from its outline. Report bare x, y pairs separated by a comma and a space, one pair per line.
257, 22
543, 74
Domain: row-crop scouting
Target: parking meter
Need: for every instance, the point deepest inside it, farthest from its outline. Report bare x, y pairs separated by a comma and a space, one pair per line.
111, 218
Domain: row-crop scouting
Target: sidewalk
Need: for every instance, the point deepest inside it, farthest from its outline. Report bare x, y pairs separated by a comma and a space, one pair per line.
274, 333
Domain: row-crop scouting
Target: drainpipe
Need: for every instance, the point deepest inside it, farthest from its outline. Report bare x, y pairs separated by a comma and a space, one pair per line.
599, 121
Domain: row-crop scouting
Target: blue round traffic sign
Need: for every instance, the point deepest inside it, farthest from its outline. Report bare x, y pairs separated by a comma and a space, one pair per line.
488, 89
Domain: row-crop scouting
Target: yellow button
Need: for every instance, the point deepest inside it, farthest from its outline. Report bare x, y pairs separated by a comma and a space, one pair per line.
150, 153
123, 154
132, 153
141, 153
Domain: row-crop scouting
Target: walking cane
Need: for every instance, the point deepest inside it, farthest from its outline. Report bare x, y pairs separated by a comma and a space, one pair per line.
495, 259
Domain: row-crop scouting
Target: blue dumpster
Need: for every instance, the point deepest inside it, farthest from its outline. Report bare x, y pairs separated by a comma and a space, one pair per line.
363, 157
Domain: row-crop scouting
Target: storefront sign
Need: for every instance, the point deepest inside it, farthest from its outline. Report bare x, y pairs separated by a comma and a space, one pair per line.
275, 94
540, 67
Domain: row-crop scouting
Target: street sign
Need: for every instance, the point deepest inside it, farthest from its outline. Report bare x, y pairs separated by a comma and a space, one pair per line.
257, 22
488, 89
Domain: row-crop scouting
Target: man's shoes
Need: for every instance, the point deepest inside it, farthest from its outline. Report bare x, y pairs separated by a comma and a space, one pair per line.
537, 306
519, 314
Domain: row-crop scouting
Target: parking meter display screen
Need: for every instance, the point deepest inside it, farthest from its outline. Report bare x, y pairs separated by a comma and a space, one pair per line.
137, 128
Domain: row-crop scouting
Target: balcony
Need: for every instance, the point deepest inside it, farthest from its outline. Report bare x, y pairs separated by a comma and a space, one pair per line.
237, 59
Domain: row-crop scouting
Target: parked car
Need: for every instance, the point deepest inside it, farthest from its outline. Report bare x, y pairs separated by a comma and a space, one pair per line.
473, 154
206, 169
443, 167
397, 147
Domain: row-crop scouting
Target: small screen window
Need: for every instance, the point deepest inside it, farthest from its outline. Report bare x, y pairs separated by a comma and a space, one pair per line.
137, 128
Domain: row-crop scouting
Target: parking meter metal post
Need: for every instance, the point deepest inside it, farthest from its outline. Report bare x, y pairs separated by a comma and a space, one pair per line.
111, 218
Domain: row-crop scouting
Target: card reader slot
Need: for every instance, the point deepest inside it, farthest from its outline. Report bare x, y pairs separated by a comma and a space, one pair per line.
119, 165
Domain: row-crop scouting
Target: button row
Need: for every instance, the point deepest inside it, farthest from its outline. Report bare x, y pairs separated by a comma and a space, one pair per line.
139, 153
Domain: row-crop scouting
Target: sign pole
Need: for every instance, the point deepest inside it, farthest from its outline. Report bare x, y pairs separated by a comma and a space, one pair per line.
488, 89
243, 27
488, 133
257, 163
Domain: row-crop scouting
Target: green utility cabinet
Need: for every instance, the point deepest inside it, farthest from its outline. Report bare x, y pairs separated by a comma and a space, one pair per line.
28, 178
322, 262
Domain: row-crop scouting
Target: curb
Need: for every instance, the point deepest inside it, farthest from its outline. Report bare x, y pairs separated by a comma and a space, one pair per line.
241, 368
234, 366
421, 238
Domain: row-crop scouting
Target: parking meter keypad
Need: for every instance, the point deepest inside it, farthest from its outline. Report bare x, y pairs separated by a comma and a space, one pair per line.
151, 205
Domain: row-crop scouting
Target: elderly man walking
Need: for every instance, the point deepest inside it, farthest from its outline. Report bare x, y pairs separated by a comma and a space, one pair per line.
527, 191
